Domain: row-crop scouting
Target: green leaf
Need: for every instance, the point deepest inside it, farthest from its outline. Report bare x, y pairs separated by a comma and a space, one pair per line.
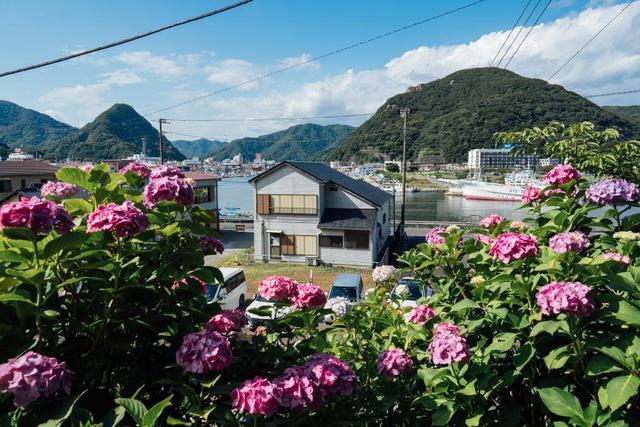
69, 240
18, 233
10, 256
558, 357
627, 313
523, 355
548, 326
603, 398
14, 297
464, 304
63, 411
78, 206
152, 415
134, 408
600, 364
502, 342
442, 414
113, 418
621, 389
561, 402
75, 176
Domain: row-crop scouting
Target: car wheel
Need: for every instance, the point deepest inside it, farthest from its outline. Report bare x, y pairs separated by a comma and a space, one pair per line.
241, 301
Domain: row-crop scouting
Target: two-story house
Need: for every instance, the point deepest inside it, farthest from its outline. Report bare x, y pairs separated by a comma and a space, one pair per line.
23, 177
206, 192
309, 212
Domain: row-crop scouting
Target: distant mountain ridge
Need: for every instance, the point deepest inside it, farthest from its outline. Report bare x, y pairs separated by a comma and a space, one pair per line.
115, 134
300, 142
199, 147
23, 127
630, 112
463, 110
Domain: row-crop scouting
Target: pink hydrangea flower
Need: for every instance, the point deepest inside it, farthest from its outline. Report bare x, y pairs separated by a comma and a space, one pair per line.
491, 221
614, 256
568, 297
531, 194
256, 397
447, 345
203, 352
228, 321
277, 288
33, 375
298, 389
513, 246
41, 216
420, 314
613, 192
433, 237
121, 220
210, 244
167, 188
261, 330
393, 363
573, 241
561, 174
333, 375
483, 238
138, 168
308, 296
185, 282
166, 171
58, 189
518, 226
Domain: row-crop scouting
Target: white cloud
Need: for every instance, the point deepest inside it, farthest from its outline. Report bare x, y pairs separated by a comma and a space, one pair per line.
161, 66
232, 71
300, 62
121, 78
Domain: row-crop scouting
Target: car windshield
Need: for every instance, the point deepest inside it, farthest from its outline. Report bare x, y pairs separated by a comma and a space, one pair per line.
414, 288
212, 291
348, 292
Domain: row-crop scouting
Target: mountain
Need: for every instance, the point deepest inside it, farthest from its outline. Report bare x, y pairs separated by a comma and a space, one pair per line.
115, 134
22, 127
198, 147
630, 112
462, 111
300, 142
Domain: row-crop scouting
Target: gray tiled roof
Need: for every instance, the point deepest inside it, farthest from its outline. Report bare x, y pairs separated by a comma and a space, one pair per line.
348, 219
324, 173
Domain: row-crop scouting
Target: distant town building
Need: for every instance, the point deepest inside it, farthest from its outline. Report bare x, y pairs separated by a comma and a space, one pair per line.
237, 159
309, 212
258, 158
369, 168
499, 158
18, 154
547, 162
24, 177
194, 161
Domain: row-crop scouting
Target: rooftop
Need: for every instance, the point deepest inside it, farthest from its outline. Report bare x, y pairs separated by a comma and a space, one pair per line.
26, 167
348, 219
199, 176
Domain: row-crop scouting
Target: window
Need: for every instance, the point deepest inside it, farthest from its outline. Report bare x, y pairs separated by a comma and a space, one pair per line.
384, 218
287, 204
5, 186
331, 241
233, 282
275, 245
23, 183
205, 194
333, 188
356, 239
299, 245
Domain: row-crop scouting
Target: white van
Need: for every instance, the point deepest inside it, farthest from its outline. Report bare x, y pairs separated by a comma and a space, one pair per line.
234, 292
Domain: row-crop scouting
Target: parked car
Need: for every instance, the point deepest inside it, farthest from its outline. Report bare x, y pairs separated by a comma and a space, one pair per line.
233, 293
348, 286
409, 290
256, 320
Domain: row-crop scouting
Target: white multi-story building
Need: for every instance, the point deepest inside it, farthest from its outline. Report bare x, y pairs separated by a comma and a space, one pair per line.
309, 212
499, 158
369, 168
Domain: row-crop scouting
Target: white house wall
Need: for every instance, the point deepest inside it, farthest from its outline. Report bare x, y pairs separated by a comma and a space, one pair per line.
344, 256
342, 199
287, 180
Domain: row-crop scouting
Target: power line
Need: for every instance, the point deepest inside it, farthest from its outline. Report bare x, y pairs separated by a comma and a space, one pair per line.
590, 40
272, 119
527, 35
623, 92
317, 58
522, 27
127, 40
509, 35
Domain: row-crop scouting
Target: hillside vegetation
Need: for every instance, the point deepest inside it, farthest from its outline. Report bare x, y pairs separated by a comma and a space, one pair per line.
198, 147
630, 112
460, 112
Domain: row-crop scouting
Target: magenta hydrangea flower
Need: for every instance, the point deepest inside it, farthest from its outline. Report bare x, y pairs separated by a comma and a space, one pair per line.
393, 363
491, 221
565, 297
573, 241
561, 174
138, 168
614, 256
298, 389
167, 188
32, 376
185, 282
58, 189
333, 374
433, 237
277, 288
509, 247
420, 314
212, 245
447, 345
613, 192
121, 220
483, 238
531, 194
41, 216
228, 321
166, 171
203, 352
308, 296
256, 397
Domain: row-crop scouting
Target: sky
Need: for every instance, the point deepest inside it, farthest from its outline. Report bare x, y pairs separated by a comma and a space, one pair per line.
265, 35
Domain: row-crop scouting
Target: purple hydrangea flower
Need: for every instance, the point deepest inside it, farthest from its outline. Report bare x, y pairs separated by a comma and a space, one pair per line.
613, 192
203, 352
167, 188
573, 241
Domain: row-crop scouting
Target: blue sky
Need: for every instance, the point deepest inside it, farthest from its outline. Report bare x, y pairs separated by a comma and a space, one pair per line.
259, 37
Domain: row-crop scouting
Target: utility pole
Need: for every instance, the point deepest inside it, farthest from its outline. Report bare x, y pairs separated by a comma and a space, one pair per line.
404, 112
160, 123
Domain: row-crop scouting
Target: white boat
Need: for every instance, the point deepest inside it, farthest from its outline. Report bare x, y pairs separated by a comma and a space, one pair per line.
512, 190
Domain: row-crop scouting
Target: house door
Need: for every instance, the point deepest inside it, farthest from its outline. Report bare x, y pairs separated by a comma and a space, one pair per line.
274, 246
